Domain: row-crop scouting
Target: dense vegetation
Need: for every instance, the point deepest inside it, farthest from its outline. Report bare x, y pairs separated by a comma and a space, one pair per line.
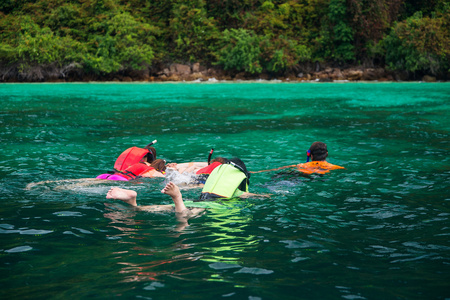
104, 37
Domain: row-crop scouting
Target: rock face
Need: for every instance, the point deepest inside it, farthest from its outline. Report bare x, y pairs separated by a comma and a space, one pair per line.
428, 78
181, 72
197, 72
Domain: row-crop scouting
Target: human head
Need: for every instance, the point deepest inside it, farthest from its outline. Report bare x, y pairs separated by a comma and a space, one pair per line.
222, 160
240, 165
151, 155
318, 151
159, 165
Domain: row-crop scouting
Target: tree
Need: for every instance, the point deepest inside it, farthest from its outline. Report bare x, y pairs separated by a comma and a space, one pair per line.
420, 44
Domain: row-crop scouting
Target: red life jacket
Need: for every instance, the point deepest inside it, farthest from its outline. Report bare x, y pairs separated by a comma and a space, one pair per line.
129, 157
134, 171
208, 169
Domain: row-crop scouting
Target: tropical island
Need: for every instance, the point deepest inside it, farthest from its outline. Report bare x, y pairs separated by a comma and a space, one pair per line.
197, 40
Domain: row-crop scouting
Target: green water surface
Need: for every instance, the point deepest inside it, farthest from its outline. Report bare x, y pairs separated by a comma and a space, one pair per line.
377, 230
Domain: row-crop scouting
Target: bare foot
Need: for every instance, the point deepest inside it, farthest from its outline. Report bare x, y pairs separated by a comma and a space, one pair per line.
128, 196
173, 191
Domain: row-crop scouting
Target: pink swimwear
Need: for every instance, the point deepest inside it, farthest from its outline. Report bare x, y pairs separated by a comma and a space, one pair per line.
111, 177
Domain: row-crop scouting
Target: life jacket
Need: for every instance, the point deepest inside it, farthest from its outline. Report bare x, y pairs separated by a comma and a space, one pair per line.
319, 167
129, 157
208, 169
223, 182
134, 171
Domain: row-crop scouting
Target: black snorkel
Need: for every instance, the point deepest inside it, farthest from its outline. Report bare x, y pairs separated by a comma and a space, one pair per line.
154, 142
209, 156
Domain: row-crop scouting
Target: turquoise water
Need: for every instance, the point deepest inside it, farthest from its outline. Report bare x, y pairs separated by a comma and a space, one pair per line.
377, 230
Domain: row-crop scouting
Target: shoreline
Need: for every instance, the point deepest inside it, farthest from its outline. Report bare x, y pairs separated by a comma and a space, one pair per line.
273, 81
198, 73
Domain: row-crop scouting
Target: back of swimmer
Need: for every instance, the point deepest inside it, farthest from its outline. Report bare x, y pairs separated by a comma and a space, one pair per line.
227, 180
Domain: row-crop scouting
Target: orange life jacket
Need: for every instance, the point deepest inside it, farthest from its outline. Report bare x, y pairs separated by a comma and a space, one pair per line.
319, 167
129, 157
208, 169
134, 171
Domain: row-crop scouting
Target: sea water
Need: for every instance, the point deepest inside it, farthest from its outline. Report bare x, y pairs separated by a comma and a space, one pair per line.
379, 229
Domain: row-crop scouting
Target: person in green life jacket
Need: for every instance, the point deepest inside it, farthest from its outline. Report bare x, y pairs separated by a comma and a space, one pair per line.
228, 180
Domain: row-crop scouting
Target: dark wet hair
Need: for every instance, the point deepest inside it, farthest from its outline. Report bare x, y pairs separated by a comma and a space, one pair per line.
159, 165
151, 156
318, 151
222, 160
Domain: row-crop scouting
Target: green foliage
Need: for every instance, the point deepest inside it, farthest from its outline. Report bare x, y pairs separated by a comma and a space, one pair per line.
336, 36
246, 51
109, 36
282, 53
36, 45
420, 44
242, 51
126, 44
192, 30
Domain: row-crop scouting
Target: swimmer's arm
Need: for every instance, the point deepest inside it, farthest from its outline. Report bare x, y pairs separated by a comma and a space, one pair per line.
190, 167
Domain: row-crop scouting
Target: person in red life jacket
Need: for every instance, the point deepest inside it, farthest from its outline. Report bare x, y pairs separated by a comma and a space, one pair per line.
203, 173
318, 153
140, 169
133, 156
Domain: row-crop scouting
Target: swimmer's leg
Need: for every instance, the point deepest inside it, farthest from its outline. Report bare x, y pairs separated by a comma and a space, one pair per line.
174, 192
127, 196
90, 180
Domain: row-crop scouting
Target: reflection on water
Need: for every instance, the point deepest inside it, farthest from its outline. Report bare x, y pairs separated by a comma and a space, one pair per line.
376, 230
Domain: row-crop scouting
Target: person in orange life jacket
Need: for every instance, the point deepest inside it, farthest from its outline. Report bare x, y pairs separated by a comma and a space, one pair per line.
140, 169
318, 153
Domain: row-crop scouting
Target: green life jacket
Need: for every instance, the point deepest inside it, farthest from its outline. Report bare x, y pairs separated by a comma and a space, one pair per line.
225, 181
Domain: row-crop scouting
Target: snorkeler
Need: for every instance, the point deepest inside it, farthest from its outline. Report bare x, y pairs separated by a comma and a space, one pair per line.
227, 181
318, 153
138, 170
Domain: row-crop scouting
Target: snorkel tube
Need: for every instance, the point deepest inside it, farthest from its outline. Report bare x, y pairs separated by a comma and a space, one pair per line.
209, 156
154, 142
308, 155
